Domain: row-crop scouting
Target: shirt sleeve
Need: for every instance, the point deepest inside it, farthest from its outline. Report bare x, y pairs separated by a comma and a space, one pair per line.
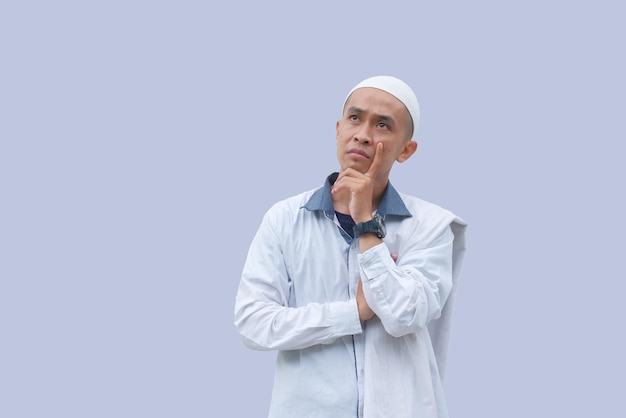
406, 296
263, 316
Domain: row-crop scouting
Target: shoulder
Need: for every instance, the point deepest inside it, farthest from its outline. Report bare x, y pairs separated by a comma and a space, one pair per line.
292, 203
429, 216
288, 208
422, 209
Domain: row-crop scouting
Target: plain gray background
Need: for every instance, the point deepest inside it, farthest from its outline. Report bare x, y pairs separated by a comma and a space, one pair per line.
141, 143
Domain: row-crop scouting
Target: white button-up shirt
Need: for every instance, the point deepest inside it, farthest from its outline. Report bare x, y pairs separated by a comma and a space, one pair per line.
297, 295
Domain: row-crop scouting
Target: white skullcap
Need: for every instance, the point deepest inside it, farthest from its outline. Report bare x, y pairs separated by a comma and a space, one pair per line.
397, 88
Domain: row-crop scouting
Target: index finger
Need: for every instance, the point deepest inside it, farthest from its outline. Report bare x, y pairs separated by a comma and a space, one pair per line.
378, 160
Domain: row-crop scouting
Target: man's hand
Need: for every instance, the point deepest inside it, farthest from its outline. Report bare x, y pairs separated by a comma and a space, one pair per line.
360, 187
365, 312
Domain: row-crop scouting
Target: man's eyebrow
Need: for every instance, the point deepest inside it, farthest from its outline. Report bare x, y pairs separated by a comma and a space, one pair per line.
385, 118
354, 109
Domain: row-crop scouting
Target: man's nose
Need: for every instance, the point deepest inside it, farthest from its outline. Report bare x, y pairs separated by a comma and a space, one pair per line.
364, 135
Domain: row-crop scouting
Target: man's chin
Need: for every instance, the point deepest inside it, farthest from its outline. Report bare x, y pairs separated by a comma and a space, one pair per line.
360, 166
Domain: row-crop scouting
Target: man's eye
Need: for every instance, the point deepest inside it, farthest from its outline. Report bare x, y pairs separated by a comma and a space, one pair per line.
382, 125
354, 117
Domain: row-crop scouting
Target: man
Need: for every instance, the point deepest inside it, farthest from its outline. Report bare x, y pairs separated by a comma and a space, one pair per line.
353, 282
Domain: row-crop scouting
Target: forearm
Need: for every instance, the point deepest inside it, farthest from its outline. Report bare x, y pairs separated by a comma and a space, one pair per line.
367, 241
407, 296
266, 326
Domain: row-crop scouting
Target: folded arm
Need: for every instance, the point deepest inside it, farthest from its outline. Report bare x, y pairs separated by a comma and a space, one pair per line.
406, 296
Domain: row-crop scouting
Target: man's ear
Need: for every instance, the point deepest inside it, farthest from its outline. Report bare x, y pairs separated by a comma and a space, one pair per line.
409, 148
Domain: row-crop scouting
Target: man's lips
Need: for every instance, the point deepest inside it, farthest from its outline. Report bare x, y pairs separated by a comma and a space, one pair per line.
358, 153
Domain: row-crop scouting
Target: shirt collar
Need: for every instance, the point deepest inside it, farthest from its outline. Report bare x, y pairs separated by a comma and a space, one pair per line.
390, 204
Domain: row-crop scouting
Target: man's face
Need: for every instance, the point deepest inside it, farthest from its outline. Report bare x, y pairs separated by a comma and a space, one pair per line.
372, 116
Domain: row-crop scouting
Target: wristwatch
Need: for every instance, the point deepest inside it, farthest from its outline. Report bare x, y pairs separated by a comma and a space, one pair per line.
375, 225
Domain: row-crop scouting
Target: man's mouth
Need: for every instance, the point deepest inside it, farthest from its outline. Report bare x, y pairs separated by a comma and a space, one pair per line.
358, 152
